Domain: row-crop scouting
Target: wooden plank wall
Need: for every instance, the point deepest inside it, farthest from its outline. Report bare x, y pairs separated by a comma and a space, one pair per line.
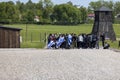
0, 38
9, 38
17, 39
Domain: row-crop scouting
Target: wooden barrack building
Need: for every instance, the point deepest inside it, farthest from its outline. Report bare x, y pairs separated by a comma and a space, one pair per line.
9, 37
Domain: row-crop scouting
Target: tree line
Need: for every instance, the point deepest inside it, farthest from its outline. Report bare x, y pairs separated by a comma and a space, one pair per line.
47, 13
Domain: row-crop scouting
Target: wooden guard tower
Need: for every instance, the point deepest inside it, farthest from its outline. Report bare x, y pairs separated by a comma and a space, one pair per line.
103, 23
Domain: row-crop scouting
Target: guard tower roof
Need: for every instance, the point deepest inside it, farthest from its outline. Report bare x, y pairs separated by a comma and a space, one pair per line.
103, 8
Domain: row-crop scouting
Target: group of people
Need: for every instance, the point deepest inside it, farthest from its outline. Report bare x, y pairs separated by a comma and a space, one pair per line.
67, 41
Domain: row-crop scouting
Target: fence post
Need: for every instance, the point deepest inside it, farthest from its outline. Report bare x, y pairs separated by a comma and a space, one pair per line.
26, 32
40, 37
46, 38
31, 37
118, 44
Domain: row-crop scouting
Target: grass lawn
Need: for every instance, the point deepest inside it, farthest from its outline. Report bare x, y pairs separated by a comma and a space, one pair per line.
38, 31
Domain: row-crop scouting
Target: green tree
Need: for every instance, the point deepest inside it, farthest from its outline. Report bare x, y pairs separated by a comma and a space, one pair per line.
66, 14
70, 3
8, 12
30, 5
83, 14
116, 11
95, 5
29, 14
2, 10
109, 4
47, 10
117, 7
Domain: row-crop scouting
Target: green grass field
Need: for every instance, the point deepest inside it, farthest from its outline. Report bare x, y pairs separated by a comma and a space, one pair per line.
37, 32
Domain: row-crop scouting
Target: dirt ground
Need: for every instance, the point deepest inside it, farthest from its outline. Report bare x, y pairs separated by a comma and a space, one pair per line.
73, 64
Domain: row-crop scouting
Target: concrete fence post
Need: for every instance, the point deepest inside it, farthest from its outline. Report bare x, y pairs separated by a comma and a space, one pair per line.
118, 44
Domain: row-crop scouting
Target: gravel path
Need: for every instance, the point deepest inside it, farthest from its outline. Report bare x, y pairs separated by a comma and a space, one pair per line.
73, 64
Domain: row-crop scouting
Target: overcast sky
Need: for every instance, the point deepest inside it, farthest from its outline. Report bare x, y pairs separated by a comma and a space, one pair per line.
84, 3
